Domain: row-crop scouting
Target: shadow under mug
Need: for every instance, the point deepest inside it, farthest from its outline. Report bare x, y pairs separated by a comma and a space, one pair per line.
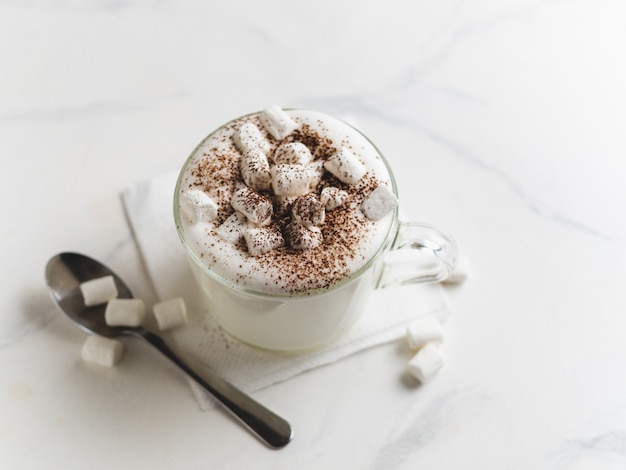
411, 253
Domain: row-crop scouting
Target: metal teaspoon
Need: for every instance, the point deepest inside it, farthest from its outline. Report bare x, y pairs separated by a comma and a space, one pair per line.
64, 274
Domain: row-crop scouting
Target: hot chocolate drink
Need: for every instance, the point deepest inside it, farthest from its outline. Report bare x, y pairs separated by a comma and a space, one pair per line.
287, 217
285, 202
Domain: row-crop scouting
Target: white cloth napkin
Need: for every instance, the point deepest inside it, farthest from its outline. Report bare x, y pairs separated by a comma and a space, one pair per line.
149, 207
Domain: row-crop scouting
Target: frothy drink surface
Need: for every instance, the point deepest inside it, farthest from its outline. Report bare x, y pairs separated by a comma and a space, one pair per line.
261, 212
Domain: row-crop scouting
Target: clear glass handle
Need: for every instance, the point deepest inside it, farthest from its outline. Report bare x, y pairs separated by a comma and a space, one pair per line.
420, 253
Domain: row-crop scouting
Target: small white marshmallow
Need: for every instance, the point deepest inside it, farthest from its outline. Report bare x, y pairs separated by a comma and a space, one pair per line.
262, 239
426, 363
198, 206
293, 152
283, 205
124, 312
256, 207
102, 351
277, 122
308, 210
332, 197
423, 330
249, 137
300, 237
379, 203
290, 180
316, 170
345, 166
98, 291
170, 313
255, 170
233, 227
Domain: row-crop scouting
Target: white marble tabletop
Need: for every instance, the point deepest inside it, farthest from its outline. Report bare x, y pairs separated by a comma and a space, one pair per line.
505, 123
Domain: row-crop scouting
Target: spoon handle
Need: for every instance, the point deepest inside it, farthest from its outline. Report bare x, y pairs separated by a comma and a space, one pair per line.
271, 428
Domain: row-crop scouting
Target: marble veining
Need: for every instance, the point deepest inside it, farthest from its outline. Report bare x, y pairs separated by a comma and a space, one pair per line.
607, 449
359, 106
27, 328
446, 40
511, 116
96, 109
612, 441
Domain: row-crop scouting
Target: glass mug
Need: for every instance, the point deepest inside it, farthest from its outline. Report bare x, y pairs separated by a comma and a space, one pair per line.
409, 253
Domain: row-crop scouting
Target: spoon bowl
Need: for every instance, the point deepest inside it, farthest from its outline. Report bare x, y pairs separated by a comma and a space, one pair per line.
64, 274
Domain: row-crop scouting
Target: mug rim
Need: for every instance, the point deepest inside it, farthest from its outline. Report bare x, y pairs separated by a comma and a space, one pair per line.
191, 253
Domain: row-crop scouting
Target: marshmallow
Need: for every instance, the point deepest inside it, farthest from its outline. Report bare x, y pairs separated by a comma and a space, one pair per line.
316, 170
459, 273
290, 180
308, 210
198, 206
233, 227
98, 291
332, 197
293, 152
124, 312
170, 313
379, 203
423, 330
255, 170
257, 208
262, 239
346, 166
300, 237
283, 205
102, 351
276, 122
426, 362
248, 137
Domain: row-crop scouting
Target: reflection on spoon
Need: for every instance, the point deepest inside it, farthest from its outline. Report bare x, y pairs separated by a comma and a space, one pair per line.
64, 274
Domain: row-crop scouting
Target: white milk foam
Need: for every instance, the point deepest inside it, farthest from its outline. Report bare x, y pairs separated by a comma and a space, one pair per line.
349, 238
